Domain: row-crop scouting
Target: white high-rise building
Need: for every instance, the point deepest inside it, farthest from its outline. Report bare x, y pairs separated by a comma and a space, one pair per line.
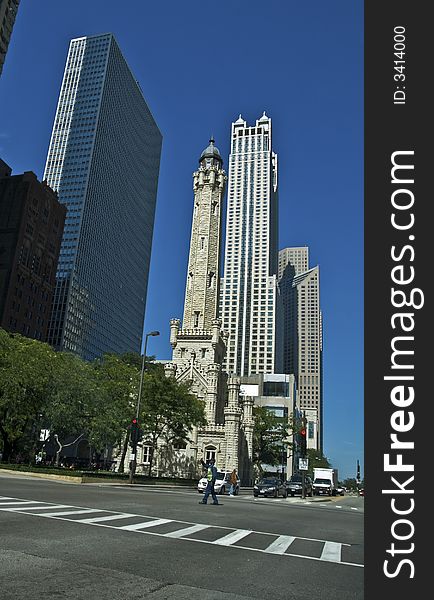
293, 261
249, 303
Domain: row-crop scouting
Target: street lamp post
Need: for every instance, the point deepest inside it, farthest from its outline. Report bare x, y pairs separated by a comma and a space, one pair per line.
134, 441
303, 450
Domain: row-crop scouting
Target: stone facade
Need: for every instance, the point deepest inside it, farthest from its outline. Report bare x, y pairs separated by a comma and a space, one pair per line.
199, 346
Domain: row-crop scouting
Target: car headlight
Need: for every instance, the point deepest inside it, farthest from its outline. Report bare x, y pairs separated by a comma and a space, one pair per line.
255, 487
271, 489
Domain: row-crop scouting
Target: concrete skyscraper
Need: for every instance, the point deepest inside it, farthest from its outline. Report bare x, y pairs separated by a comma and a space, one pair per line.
293, 261
103, 161
250, 297
302, 326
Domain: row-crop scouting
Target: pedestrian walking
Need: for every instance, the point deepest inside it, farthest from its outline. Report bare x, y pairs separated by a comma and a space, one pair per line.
233, 480
211, 474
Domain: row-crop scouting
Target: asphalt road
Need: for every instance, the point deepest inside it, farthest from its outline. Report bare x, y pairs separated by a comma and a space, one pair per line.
94, 542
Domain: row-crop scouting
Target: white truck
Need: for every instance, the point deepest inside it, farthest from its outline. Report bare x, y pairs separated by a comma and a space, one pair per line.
325, 481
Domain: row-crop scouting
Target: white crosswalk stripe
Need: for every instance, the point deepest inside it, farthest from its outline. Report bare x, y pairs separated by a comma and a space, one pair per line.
19, 502
233, 537
272, 543
145, 524
106, 518
70, 512
331, 552
187, 531
280, 545
37, 507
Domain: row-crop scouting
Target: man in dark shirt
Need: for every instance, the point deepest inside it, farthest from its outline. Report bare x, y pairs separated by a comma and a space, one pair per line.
211, 475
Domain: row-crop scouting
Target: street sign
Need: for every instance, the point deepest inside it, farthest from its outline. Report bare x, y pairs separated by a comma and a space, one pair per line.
44, 435
303, 464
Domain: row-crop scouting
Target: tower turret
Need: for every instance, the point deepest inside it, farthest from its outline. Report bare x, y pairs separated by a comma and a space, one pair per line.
202, 289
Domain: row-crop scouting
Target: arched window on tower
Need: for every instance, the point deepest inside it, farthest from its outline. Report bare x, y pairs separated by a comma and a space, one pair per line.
211, 277
210, 453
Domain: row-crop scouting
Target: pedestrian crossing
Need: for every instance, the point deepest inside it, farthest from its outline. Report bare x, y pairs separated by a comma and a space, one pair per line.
230, 537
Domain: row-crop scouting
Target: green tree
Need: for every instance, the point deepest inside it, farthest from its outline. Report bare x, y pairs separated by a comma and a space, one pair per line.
168, 410
351, 484
75, 399
270, 438
317, 460
119, 377
26, 375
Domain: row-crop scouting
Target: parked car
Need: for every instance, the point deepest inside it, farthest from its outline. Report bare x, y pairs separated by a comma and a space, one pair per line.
221, 485
269, 486
340, 490
294, 485
361, 492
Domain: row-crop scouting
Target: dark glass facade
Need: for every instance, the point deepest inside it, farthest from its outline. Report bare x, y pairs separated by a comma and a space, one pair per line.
104, 162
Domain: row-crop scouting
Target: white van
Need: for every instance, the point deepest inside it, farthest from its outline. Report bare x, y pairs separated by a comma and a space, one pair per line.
222, 484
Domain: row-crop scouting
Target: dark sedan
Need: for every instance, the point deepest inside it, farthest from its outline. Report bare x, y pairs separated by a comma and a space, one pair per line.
269, 487
294, 486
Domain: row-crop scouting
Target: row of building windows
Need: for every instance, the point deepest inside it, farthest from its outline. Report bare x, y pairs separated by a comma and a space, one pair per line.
24, 328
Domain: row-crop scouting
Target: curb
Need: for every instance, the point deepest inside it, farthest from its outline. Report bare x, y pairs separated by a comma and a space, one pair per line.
69, 478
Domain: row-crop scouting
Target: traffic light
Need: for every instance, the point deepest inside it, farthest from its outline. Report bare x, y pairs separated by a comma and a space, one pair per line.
302, 439
133, 431
136, 433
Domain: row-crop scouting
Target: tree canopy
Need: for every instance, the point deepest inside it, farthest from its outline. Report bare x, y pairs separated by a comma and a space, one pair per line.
44, 389
26, 376
317, 460
168, 411
270, 438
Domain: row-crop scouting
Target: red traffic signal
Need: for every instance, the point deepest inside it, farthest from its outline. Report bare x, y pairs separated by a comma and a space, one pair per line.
134, 421
303, 432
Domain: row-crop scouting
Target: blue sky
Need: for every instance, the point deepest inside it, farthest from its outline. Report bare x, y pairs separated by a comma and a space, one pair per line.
200, 65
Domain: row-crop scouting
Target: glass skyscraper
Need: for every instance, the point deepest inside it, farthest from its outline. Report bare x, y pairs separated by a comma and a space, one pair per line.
250, 303
103, 161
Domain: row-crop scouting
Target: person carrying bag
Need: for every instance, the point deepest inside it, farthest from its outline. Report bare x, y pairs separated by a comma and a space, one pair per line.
233, 480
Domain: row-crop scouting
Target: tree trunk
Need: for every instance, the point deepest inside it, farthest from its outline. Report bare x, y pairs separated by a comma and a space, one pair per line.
58, 455
124, 453
7, 447
32, 453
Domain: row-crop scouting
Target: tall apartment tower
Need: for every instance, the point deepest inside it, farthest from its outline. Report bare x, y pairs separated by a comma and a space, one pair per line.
8, 13
249, 301
103, 161
293, 261
300, 292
